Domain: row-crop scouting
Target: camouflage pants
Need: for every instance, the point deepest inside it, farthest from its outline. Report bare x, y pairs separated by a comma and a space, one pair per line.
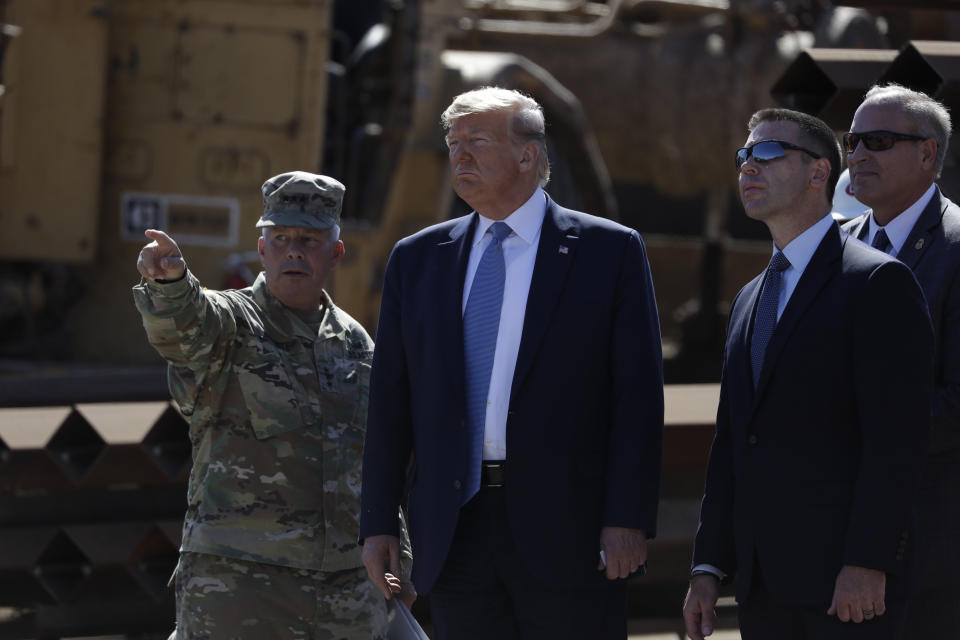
221, 598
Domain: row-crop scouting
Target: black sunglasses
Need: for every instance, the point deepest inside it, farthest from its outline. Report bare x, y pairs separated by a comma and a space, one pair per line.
875, 140
768, 150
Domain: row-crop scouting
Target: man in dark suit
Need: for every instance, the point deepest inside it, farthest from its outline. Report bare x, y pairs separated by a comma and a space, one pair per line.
895, 151
518, 359
822, 420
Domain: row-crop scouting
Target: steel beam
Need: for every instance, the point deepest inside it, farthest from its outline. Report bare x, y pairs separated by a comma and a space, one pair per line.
830, 83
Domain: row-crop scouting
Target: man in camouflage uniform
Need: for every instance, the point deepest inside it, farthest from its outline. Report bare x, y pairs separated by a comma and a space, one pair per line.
274, 379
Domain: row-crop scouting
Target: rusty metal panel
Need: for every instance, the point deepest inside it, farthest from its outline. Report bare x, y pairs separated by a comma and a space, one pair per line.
205, 100
24, 464
76, 446
92, 446
830, 83
152, 560
20, 549
91, 504
32, 427
123, 422
210, 98
930, 66
62, 567
140, 549
51, 130
122, 465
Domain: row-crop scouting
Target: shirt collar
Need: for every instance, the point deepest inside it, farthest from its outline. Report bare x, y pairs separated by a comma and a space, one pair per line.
284, 325
524, 222
900, 227
801, 249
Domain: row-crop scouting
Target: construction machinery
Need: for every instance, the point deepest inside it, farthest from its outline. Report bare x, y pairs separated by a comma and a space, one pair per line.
122, 115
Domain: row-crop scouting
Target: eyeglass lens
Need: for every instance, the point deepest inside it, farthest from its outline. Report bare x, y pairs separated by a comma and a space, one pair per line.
761, 152
872, 141
876, 140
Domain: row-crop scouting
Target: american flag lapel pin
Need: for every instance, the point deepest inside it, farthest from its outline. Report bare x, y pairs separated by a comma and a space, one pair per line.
564, 250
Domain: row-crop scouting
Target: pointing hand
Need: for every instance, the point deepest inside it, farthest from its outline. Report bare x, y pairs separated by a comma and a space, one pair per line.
161, 259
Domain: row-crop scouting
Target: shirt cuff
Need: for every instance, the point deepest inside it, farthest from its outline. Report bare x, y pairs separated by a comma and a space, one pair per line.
708, 568
168, 288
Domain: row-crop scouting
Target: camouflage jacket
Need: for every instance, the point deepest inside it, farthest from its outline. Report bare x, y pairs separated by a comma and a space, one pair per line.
277, 419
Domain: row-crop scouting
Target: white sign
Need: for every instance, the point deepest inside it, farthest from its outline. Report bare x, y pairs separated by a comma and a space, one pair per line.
207, 221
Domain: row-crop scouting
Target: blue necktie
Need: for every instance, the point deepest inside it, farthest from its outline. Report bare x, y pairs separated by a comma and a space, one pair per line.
881, 241
481, 322
766, 319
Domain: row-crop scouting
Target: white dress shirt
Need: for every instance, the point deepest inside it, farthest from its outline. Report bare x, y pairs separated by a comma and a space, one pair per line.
799, 252
900, 227
519, 255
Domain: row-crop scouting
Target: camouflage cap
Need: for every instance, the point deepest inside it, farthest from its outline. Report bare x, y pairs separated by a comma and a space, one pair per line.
301, 199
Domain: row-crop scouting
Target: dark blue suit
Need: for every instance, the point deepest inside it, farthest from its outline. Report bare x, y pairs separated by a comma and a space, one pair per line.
816, 468
584, 432
932, 250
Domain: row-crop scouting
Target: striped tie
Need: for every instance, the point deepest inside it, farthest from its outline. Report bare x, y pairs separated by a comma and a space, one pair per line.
481, 322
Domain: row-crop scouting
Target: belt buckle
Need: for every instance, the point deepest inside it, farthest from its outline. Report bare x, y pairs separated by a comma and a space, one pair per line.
493, 474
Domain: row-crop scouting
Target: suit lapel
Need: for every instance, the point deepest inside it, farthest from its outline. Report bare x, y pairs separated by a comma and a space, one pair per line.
821, 268
558, 245
738, 372
859, 231
452, 269
921, 236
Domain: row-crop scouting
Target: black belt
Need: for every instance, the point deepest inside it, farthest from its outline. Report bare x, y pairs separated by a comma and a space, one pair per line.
493, 473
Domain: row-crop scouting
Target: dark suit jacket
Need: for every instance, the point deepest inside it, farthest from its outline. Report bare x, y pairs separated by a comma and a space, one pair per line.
584, 431
815, 469
932, 250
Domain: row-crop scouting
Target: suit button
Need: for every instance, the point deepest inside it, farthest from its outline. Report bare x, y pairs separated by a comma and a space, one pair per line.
456, 484
752, 439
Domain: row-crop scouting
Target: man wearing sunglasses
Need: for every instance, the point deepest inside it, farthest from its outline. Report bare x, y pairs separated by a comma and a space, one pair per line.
895, 150
810, 481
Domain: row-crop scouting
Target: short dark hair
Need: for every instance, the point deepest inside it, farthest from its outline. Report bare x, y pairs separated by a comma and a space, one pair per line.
817, 136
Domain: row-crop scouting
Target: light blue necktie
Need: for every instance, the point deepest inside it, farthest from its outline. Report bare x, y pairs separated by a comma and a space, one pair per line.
766, 319
481, 322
